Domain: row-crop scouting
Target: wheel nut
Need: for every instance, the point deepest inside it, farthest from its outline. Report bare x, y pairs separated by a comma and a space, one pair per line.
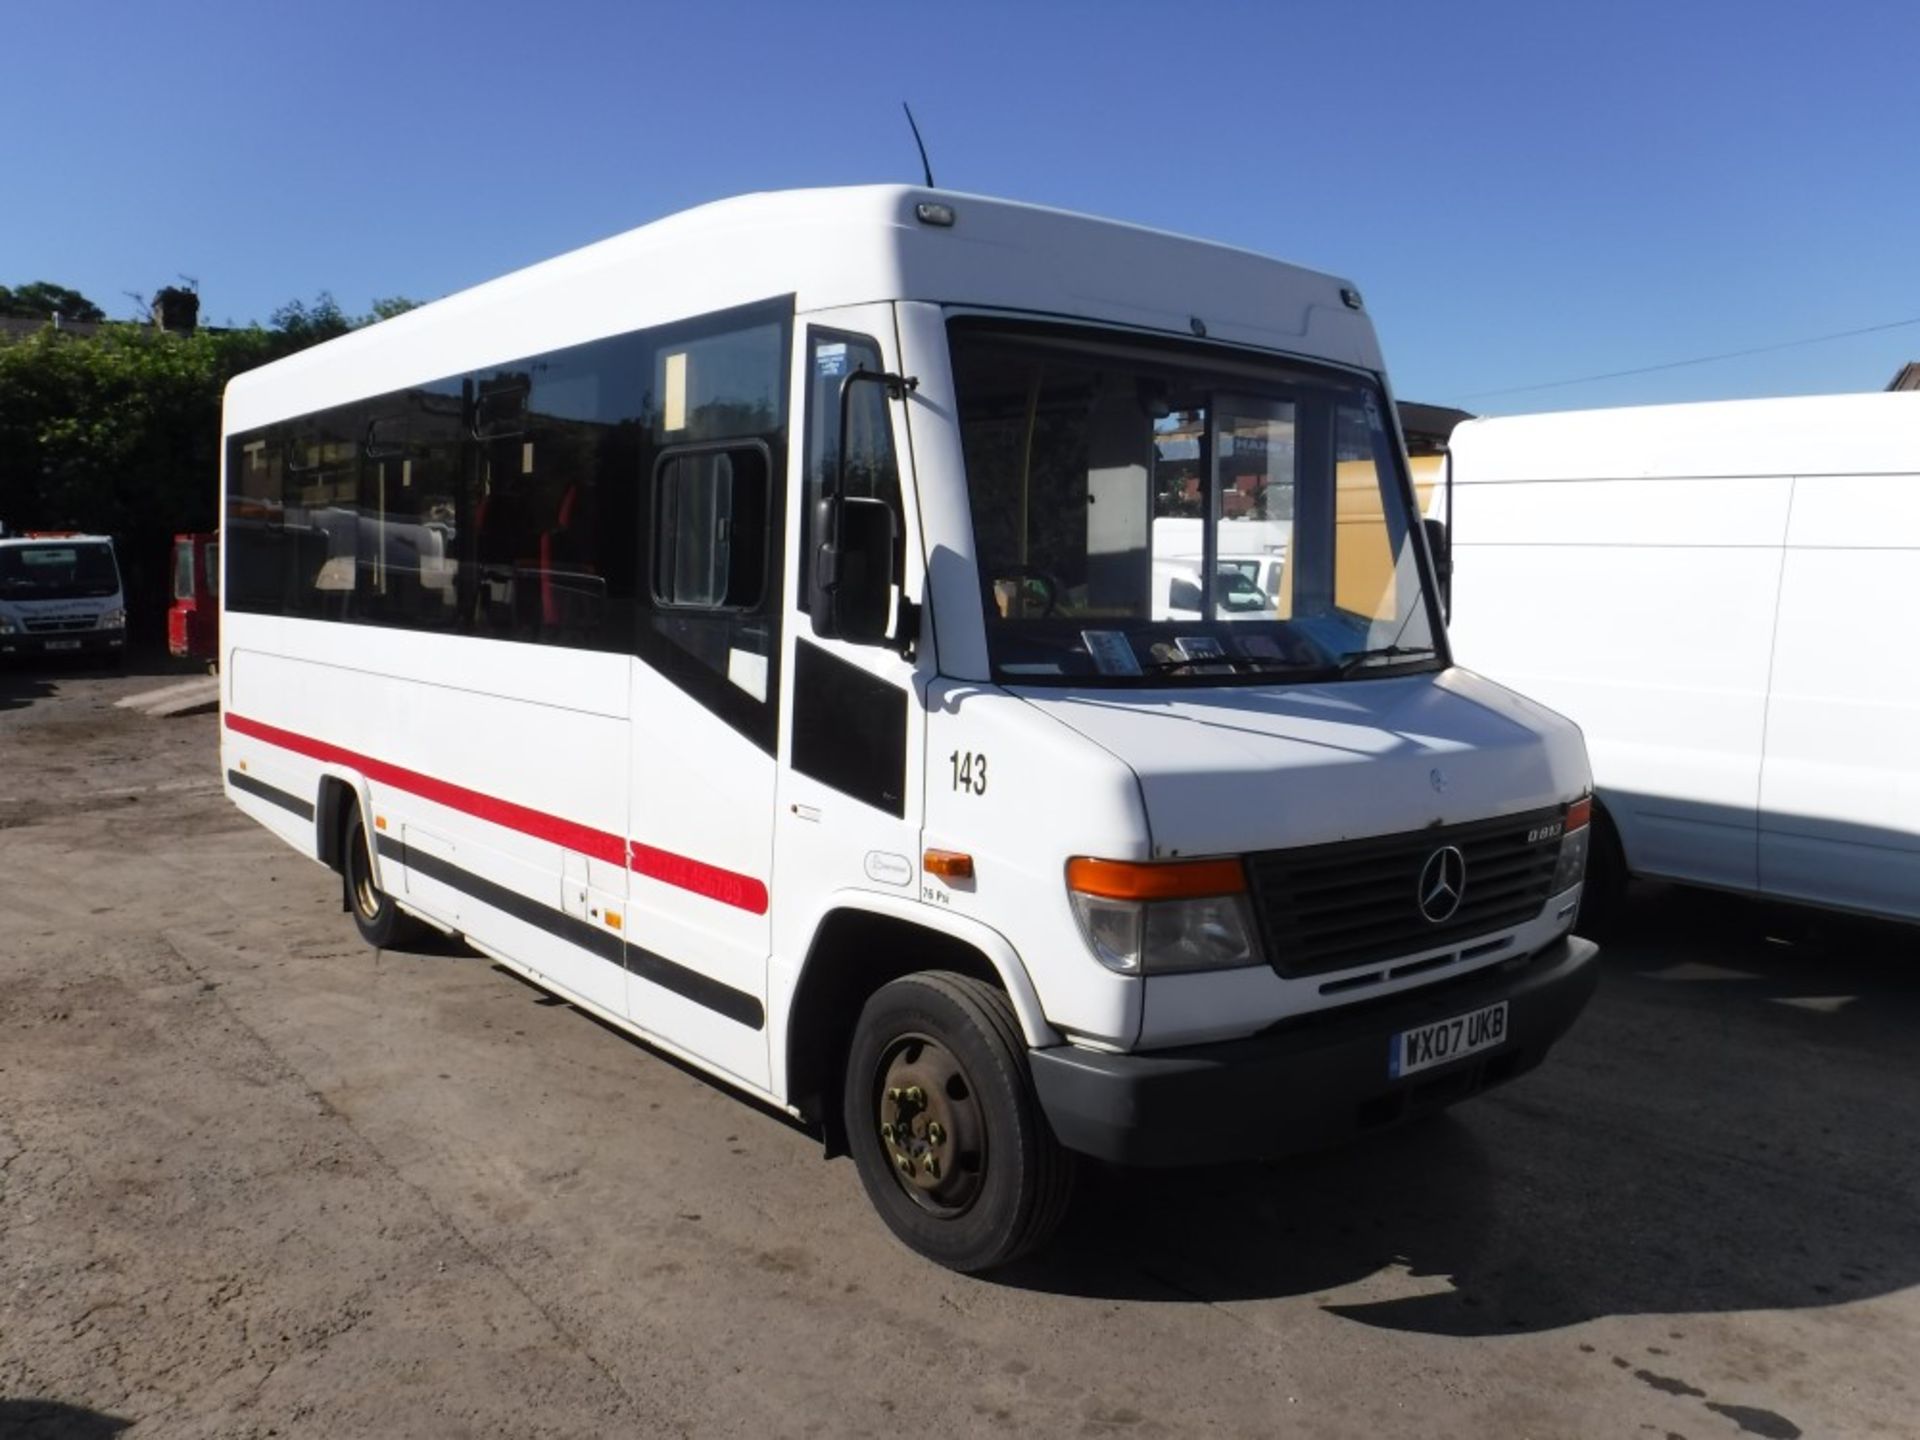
886, 1133
906, 1165
915, 1095
894, 1094
931, 1166
935, 1132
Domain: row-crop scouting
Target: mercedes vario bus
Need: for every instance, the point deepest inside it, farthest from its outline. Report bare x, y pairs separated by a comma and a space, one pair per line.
745, 628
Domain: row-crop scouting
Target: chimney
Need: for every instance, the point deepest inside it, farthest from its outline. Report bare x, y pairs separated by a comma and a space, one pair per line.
176, 309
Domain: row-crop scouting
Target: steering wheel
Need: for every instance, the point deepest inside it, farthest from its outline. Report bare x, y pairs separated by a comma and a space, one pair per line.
1024, 576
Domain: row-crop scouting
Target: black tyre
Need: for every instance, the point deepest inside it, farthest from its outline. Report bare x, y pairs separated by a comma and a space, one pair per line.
943, 1124
1603, 897
382, 924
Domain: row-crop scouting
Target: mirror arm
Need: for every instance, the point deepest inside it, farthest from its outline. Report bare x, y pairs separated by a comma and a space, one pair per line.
909, 637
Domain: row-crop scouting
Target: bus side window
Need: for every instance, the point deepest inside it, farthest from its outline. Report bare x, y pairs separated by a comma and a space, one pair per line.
710, 529
708, 571
711, 497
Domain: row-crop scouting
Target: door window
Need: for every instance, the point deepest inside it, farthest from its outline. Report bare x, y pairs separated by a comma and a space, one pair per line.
872, 470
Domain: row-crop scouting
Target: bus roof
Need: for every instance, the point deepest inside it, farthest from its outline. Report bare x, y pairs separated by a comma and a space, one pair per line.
1868, 433
830, 247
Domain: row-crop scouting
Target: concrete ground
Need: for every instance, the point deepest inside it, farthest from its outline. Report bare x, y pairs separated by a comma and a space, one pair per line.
258, 1180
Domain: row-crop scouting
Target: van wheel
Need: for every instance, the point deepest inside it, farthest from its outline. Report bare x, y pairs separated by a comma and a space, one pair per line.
1603, 897
944, 1127
382, 924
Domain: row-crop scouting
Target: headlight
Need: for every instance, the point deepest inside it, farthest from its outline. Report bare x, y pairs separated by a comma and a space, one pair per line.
1164, 919
9, 625
1573, 845
114, 620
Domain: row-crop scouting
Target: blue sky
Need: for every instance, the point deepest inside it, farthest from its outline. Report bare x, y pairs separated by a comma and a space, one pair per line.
1526, 193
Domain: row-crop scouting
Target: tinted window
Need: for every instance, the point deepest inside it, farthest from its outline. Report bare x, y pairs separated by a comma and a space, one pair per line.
718, 419
518, 502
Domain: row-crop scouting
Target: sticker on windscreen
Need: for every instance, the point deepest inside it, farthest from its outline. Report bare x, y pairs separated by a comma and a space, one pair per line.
1111, 653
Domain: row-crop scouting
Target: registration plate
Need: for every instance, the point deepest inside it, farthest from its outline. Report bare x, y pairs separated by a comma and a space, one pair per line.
1444, 1040
63, 644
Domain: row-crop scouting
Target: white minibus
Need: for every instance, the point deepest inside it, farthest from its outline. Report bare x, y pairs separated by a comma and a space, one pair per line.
746, 629
1722, 596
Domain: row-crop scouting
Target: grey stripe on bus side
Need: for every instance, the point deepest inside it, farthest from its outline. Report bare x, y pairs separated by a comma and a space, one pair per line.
242, 781
736, 1005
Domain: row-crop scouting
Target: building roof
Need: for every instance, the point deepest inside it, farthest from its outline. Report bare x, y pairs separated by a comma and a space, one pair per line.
24, 327
1428, 426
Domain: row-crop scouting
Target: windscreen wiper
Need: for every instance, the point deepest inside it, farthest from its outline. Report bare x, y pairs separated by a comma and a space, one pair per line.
1382, 652
1258, 662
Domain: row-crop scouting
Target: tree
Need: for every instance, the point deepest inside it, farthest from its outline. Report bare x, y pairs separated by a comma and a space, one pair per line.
310, 324
43, 299
388, 308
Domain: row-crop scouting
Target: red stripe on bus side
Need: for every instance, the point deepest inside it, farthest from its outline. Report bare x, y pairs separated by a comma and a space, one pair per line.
743, 892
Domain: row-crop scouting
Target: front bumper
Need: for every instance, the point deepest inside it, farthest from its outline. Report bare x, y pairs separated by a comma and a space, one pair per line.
1309, 1082
63, 642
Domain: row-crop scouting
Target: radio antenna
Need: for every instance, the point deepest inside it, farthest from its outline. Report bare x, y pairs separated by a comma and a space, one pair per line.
924, 163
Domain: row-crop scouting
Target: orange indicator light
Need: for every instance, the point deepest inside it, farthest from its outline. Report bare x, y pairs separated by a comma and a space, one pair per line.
948, 864
1155, 880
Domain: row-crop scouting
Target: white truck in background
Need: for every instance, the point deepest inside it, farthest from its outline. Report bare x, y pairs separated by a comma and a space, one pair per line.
60, 593
1724, 597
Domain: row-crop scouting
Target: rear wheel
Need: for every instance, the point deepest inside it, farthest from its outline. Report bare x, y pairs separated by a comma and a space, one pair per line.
944, 1127
382, 924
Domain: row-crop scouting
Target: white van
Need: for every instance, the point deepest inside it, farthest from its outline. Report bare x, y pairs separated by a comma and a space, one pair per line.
1177, 591
786, 684
1724, 597
60, 594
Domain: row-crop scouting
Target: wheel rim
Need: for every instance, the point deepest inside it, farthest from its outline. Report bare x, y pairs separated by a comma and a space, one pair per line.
930, 1125
365, 898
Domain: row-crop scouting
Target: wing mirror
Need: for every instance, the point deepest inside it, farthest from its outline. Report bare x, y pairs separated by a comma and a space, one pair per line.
851, 581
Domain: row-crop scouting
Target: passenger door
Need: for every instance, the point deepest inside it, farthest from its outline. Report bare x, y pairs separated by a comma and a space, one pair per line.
1840, 784
707, 681
849, 809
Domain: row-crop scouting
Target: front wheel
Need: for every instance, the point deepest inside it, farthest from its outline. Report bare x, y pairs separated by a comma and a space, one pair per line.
382, 924
944, 1127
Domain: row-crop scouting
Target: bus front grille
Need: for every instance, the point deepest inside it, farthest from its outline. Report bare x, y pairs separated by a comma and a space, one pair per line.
1328, 907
